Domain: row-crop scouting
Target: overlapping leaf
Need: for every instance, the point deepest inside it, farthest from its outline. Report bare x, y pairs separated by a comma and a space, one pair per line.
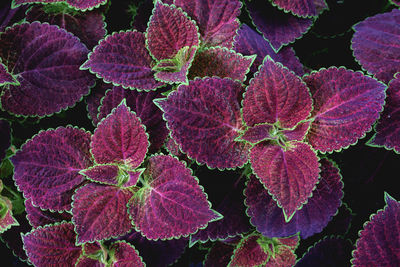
171, 204
125, 255
379, 244
301, 8
45, 60
93, 100
103, 173
6, 217
38, 217
204, 119
5, 77
376, 42
346, 104
217, 20
47, 166
79, 4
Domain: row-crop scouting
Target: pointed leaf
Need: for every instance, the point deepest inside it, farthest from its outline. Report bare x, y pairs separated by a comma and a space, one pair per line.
38, 217
99, 212
217, 20
172, 204
52, 245
276, 95
122, 59
278, 27
301, 8
204, 119
6, 218
258, 133
79, 4
5, 141
346, 104
379, 242
298, 133
5, 76
289, 174
120, 138
375, 44
221, 62
45, 61
125, 255
46, 168
103, 173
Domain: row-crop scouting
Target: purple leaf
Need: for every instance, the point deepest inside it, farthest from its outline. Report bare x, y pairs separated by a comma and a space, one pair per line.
171, 204
221, 62
52, 245
103, 173
85, 261
277, 27
46, 168
10, 15
89, 27
388, 127
38, 217
277, 96
78, 4
204, 119
5, 77
122, 58
249, 42
93, 100
99, 212
6, 217
142, 104
379, 242
376, 43
346, 104
217, 20
248, 253
288, 173
120, 138
45, 61
125, 255
219, 255
269, 220
5, 141
301, 8
298, 133
258, 133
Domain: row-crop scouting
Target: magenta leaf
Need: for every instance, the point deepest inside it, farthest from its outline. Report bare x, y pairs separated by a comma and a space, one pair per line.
46, 168
248, 42
5, 141
298, 133
45, 60
346, 104
221, 62
277, 27
6, 217
120, 138
302, 8
52, 245
379, 244
103, 173
217, 20
376, 42
85, 261
38, 217
122, 59
171, 204
269, 220
289, 173
204, 119
125, 255
277, 96
5, 76
388, 127
78, 4
258, 133
99, 212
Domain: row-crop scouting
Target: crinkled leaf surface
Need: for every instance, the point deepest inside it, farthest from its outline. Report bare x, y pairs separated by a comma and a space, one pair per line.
125, 255
379, 242
52, 245
93, 100
172, 204
45, 60
46, 168
302, 8
376, 43
5, 77
298, 133
289, 174
346, 104
217, 20
99, 212
5, 141
248, 253
38, 217
276, 95
269, 220
120, 138
221, 62
388, 127
204, 119
6, 217
79, 4
103, 173
278, 27
122, 58
248, 42
258, 133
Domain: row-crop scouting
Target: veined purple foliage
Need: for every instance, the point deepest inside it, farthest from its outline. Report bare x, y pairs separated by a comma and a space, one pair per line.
388, 127
46, 168
120, 138
258, 133
5, 76
218, 255
10, 15
89, 26
78, 4
125, 255
248, 253
302, 8
379, 242
376, 43
45, 61
269, 220
52, 245
278, 27
172, 203
6, 217
122, 59
346, 104
85, 261
221, 62
204, 119
38, 217
103, 173
93, 100
217, 20
5, 141
298, 133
